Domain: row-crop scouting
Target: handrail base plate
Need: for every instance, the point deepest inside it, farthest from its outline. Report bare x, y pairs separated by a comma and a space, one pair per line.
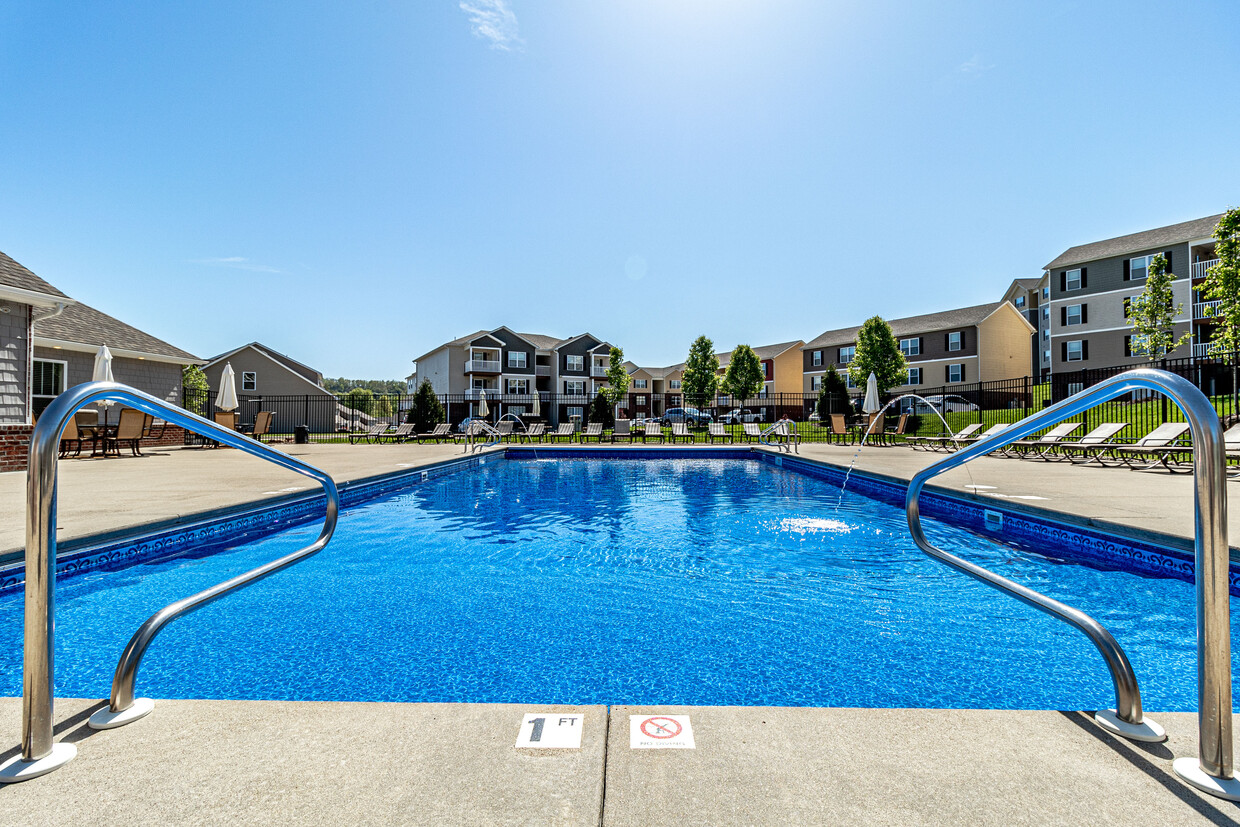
107, 719
1147, 732
15, 769
1190, 772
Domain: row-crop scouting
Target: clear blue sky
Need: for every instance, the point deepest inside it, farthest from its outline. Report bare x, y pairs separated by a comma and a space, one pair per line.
355, 183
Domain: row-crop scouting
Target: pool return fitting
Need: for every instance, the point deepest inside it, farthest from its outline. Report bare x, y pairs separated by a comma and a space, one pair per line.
1211, 772
40, 753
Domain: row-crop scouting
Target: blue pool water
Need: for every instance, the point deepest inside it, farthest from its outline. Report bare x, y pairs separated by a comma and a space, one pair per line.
654, 581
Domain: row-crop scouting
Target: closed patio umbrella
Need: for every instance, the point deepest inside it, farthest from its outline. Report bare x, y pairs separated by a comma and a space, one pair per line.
536, 409
871, 404
483, 410
226, 399
103, 373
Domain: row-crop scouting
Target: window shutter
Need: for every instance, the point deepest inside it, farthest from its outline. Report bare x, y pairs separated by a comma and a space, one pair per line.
947, 341
921, 345
1084, 314
962, 342
1084, 271
1127, 269
1063, 351
1085, 348
1063, 281
1063, 316
1167, 256
962, 370
1127, 345
947, 373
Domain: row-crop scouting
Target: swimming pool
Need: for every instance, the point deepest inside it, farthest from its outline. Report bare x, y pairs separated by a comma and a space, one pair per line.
652, 581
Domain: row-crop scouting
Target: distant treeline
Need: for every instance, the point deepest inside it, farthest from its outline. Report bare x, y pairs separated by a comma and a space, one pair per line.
378, 387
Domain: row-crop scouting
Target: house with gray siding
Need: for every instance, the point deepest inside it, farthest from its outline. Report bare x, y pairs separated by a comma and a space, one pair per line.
1092, 284
268, 380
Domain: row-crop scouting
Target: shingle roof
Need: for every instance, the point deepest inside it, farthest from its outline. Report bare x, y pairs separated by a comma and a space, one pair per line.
540, 341
83, 324
1028, 284
300, 368
1173, 234
13, 274
961, 317
763, 352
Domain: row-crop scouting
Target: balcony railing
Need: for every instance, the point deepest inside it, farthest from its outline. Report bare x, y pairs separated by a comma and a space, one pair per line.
1200, 308
479, 366
476, 393
542, 370
598, 370
1201, 349
1198, 268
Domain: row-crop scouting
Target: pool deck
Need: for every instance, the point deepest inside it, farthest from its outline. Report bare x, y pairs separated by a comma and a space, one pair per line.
226, 762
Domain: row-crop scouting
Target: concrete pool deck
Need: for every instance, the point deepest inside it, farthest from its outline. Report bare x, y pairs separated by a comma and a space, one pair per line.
325, 763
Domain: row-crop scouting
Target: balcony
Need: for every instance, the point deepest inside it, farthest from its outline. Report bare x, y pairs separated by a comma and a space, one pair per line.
1198, 268
542, 370
479, 366
474, 394
1200, 309
1201, 349
600, 371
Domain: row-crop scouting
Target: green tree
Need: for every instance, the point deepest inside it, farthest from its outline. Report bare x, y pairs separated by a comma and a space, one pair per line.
360, 399
601, 411
426, 411
195, 390
383, 405
744, 377
833, 396
879, 353
617, 387
1152, 314
700, 382
1222, 284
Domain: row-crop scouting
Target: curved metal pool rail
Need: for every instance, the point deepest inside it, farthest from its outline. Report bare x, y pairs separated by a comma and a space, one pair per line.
485, 428
1210, 547
37, 689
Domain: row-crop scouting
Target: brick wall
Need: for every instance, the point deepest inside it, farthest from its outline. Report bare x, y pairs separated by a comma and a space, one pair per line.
14, 445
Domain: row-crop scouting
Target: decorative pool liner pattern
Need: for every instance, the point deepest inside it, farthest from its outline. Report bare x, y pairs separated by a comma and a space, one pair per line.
1041, 535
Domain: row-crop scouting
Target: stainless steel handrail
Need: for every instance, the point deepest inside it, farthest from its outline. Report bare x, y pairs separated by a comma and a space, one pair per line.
484, 428
1210, 546
37, 689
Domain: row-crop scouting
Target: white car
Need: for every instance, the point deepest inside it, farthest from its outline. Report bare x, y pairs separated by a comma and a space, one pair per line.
944, 404
739, 415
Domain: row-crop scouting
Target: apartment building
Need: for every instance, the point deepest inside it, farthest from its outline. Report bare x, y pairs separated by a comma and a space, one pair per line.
1091, 286
1032, 297
781, 366
970, 344
653, 390
510, 368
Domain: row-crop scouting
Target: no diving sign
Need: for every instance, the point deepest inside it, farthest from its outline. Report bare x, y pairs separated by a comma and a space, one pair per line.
660, 732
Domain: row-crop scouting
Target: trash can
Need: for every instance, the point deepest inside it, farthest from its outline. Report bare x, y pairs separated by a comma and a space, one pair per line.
576, 420
301, 434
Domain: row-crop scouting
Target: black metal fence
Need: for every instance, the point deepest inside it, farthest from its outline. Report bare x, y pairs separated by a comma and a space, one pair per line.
331, 418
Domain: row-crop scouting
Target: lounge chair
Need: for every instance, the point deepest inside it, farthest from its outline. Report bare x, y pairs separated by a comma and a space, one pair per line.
717, 430
504, 429
943, 443
565, 431
751, 431
1155, 448
986, 434
534, 432
622, 430
368, 435
653, 430
1086, 445
439, 433
593, 430
402, 433
262, 424
128, 432
1024, 447
681, 431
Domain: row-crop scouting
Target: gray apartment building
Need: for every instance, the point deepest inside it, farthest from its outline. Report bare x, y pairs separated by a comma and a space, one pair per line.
954, 347
510, 368
1091, 286
1032, 297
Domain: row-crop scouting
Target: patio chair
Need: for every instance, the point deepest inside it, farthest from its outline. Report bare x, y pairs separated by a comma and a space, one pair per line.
838, 428
533, 432
368, 435
128, 432
439, 433
622, 430
681, 431
874, 432
565, 431
717, 430
70, 439
1099, 436
593, 430
653, 430
751, 431
262, 424
943, 443
1022, 448
1155, 448
899, 431
401, 434
226, 419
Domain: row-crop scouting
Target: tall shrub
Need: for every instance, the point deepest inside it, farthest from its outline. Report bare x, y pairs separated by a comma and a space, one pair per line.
426, 411
1222, 284
879, 353
1152, 315
617, 382
601, 411
700, 382
195, 390
833, 396
744, 377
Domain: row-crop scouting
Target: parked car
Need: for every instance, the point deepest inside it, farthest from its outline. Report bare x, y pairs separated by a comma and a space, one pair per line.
949, 403
739, 415
692, 416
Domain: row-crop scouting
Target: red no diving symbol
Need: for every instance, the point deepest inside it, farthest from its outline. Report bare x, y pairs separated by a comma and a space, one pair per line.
662, 728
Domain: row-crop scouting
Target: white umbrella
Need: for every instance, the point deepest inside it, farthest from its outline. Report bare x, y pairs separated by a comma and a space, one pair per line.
871, 404
536, 409
483, 410
103, 373
226, 399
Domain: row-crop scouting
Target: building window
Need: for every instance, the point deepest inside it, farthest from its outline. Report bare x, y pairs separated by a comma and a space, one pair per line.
641, 400
516, 358
1046, 293
816, 359
575, 387
955, 373
911, 347
848, 381
914, 376
1046, 312
575, 362
815, 383
1046, 333
1046, 355
249, 380
1073, 314
1072, 279
518, 386
955, 341
1139, 267
48, 382
574, 412
847, 354
1075, 351
639, 383
674, 384
1020, 301
518, 410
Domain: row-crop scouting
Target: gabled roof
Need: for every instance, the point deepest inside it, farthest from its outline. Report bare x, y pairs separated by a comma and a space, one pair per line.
17, 277
944, 320
82, 325
763, 352
540, 341
1136, 242
303, 370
